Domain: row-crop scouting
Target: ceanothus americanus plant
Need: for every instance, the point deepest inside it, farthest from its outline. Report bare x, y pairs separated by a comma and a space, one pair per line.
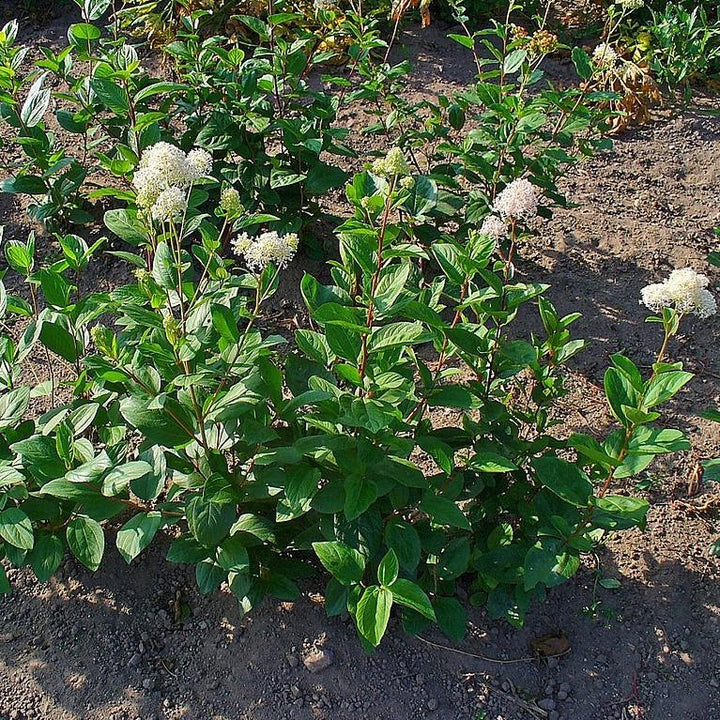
179, 415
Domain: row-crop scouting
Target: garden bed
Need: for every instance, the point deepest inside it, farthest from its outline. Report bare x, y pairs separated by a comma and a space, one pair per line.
139, 641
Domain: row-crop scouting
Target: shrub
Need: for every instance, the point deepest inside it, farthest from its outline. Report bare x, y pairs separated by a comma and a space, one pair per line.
405, 440
183, 417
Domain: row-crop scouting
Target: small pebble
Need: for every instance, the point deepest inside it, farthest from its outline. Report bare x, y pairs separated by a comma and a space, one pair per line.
317, 660
432, 704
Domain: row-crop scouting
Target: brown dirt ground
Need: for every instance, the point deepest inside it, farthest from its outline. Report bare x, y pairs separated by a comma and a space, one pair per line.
105, 646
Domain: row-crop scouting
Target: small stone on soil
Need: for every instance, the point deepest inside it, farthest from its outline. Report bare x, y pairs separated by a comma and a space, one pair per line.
317, 660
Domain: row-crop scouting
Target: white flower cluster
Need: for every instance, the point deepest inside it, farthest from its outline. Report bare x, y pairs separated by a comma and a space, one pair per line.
268, 248
685, 290
325, 5
630, 4
230, 202
392, 165
164, 172
518, 201
493, 227
605, 55
170, 204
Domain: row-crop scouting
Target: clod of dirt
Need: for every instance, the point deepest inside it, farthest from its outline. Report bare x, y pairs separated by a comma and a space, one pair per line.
551, 645
318, 660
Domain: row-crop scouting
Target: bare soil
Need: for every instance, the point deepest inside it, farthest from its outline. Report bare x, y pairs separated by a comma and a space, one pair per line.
111, 645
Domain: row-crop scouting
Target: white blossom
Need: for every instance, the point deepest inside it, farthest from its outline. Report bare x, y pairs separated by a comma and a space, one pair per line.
605, 55
685, 290
268, 248
518, 201
169, 205
230, 202
165, 166
493, 227
200, 161
630, 4
392, 165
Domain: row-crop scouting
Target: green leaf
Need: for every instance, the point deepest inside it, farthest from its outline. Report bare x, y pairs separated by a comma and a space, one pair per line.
137, 533
125, 224
46, 555
619, 512
255, 525
439, 451
454, 559
225, 323
163, 269
451, 617
95, 9
209, 521
13, 405
564, 479
336, 598
664, 385
80, 34
444, 512
90, 471
402, 537
490, 462
5, 588
360, 494
31, 185
170, 426
411, 595
36, 103
514, 61
344, 342
711, 470
590, 448
539, 564
713, 415
112, 95
620, 391
158, 88
344, 563
388, 569
57, 339
464, 40
323, 177
119, 478
582, 63
399, 334
16, 528
86, 540
209, 575
373, 613
314, 345
233, 555
186, 550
